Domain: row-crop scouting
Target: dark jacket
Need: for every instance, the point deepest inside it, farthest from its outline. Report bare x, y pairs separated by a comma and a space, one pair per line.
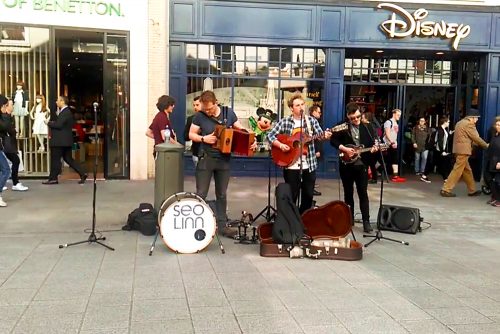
61, 129
419, 136
7, 134
366, 138
441, 145
494, 153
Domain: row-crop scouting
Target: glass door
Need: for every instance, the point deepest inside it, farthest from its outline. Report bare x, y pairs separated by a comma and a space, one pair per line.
116, 106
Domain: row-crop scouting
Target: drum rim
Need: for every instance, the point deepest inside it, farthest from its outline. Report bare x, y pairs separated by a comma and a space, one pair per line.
164, 208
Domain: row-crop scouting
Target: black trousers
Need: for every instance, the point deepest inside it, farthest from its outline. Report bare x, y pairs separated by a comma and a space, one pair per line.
444, 164
220, 169
356, 174
56, 153
306, 187
14, 159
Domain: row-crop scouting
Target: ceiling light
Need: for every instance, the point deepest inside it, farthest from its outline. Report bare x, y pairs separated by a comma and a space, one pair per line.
440, 53
379, 51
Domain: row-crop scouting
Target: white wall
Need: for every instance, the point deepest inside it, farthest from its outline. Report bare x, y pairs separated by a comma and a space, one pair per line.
133, 17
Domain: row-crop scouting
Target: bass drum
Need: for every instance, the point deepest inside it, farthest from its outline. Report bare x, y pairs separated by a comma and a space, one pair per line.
187, 224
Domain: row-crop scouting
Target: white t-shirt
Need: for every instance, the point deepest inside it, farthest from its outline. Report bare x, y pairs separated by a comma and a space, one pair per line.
296, 164
393, 134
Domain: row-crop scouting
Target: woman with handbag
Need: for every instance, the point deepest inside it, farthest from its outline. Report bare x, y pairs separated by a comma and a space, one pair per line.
10, 145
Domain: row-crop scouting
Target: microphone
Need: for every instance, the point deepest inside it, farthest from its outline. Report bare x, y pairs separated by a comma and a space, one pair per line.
95, 104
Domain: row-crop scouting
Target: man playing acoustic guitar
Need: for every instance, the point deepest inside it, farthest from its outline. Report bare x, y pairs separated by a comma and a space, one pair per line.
289, 126
359, 135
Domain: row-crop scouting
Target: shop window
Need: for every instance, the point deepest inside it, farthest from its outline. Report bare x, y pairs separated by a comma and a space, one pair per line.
250, 77
24, 62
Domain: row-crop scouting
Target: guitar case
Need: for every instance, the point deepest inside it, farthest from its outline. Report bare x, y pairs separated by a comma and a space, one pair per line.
327, 227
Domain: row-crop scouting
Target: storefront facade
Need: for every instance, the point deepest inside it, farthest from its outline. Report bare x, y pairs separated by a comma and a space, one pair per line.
90, 52
427, 60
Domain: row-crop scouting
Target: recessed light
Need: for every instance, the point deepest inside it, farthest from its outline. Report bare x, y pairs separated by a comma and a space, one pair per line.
379, 51
440, 53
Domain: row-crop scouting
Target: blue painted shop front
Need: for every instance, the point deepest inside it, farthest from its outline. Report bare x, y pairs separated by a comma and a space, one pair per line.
307, 46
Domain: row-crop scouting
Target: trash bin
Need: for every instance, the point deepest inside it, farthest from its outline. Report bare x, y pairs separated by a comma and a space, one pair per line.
169, 171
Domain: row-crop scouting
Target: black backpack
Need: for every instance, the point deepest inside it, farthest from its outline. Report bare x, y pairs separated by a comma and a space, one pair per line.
287, 227
143, 219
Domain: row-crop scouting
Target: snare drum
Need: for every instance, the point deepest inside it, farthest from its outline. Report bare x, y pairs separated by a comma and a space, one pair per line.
187, 223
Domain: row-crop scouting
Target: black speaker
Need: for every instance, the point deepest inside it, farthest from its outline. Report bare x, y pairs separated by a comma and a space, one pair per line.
399, 219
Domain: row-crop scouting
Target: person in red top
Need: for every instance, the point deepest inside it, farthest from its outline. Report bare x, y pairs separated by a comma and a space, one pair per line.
161, 129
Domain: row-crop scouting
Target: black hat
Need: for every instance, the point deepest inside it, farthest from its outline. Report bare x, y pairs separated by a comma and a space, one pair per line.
473, 113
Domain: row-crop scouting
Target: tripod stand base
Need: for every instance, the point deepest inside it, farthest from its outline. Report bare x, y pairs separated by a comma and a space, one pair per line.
378, 236
92, 238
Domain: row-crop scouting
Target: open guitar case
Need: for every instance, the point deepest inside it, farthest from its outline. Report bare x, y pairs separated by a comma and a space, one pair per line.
326, 227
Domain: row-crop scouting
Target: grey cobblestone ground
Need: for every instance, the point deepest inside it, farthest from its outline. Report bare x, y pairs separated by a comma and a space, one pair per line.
446, 281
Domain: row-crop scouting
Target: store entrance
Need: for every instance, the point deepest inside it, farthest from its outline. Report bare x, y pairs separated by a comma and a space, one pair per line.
93, 68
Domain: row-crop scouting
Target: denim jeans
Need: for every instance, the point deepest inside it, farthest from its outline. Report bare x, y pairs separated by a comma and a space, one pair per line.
4, 170
220, 169
420, 161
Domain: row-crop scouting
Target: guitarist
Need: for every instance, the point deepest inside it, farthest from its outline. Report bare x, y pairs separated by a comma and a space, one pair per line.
359, 134
308, 162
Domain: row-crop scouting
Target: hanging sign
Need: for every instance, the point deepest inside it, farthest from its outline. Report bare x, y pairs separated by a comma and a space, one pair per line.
402, 24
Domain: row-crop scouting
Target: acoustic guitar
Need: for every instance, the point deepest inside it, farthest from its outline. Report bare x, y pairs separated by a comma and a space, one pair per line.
358, 151
285, 159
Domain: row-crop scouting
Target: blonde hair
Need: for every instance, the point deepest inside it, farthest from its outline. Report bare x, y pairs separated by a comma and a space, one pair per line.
295, 96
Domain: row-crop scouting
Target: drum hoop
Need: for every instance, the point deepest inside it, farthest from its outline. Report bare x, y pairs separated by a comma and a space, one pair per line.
179, 197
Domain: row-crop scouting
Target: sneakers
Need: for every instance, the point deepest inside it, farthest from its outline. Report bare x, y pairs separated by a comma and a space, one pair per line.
447, 194
496, 204
2, 203
491, 201
316, 193
398, 179
425, 179
19, 187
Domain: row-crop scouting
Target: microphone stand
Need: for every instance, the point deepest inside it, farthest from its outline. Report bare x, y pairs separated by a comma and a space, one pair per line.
92, 237
378, 234
301, 146
266, 212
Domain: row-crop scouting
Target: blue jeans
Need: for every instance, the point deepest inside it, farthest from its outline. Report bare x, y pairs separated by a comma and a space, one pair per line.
420, 161
4, 170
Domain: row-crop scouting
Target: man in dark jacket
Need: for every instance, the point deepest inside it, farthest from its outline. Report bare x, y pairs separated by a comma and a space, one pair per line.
61, 141
359, 135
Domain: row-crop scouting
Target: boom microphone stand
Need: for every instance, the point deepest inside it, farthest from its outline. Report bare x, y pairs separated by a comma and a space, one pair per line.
378, 234
266, 212
92, 236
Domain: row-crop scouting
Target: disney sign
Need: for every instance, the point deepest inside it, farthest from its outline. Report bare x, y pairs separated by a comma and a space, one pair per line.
408, 25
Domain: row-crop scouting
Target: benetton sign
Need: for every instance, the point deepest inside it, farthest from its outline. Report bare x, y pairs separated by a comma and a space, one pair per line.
413, 25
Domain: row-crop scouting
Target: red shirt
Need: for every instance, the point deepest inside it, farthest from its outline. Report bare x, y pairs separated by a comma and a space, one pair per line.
159, 123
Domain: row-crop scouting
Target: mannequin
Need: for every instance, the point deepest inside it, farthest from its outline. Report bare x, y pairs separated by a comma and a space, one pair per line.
40, 114
20, 99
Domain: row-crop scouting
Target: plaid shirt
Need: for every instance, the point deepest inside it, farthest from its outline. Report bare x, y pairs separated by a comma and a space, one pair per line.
286, 125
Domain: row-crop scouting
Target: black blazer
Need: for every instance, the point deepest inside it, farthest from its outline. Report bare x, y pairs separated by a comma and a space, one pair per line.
61, 129
367, 138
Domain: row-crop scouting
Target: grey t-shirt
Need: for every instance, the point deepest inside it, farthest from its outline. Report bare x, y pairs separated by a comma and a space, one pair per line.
207, 126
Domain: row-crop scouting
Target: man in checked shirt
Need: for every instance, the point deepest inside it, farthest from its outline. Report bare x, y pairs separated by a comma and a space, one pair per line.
308, 163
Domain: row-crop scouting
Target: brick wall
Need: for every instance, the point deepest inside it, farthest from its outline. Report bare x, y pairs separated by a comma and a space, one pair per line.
158, 63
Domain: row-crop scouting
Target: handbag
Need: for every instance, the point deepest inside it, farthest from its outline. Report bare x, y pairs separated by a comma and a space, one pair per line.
21, 164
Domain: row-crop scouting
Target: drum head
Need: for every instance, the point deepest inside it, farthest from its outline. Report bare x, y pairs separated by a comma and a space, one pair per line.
187, 223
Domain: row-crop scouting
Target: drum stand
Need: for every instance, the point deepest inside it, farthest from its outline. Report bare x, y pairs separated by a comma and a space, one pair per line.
92, 237
243, 224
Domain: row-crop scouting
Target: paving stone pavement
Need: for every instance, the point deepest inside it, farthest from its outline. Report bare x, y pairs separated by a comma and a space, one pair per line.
445, 281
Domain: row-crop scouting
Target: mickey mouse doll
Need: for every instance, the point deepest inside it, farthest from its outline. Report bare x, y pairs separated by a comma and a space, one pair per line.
262, 125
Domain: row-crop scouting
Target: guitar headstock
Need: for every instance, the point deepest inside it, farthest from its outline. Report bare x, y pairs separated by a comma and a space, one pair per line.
340, 127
